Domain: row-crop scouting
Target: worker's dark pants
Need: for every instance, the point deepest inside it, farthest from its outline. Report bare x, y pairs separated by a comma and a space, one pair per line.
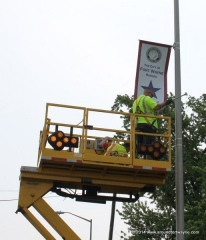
144, 127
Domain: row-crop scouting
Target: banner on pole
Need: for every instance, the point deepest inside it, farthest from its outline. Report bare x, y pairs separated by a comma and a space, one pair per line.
152, 66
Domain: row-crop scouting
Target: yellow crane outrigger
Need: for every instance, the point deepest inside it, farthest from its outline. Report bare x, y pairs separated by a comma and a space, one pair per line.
70, 157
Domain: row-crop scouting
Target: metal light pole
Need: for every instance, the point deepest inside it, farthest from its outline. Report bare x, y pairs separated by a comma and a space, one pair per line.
112, 218
90, 221
178, 131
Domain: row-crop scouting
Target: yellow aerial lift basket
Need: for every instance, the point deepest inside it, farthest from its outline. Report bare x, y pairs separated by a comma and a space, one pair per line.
70, 157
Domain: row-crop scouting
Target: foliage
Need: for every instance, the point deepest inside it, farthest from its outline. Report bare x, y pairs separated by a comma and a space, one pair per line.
123, 104
150, 221
142, 218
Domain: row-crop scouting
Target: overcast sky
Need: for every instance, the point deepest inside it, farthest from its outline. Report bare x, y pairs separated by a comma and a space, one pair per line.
82, 53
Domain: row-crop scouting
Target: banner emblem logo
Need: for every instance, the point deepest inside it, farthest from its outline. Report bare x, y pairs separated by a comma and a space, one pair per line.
153, 54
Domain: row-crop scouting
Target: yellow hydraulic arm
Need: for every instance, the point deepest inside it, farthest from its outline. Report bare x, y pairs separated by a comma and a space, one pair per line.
33, 187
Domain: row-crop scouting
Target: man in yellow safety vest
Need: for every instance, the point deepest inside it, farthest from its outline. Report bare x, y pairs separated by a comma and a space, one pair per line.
115, 149
118, 150
144, 104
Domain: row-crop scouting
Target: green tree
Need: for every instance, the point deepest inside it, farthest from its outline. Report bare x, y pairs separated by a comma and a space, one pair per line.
144, 220
123, 103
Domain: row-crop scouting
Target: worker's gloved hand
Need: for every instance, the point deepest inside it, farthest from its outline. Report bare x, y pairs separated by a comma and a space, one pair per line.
168, 102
